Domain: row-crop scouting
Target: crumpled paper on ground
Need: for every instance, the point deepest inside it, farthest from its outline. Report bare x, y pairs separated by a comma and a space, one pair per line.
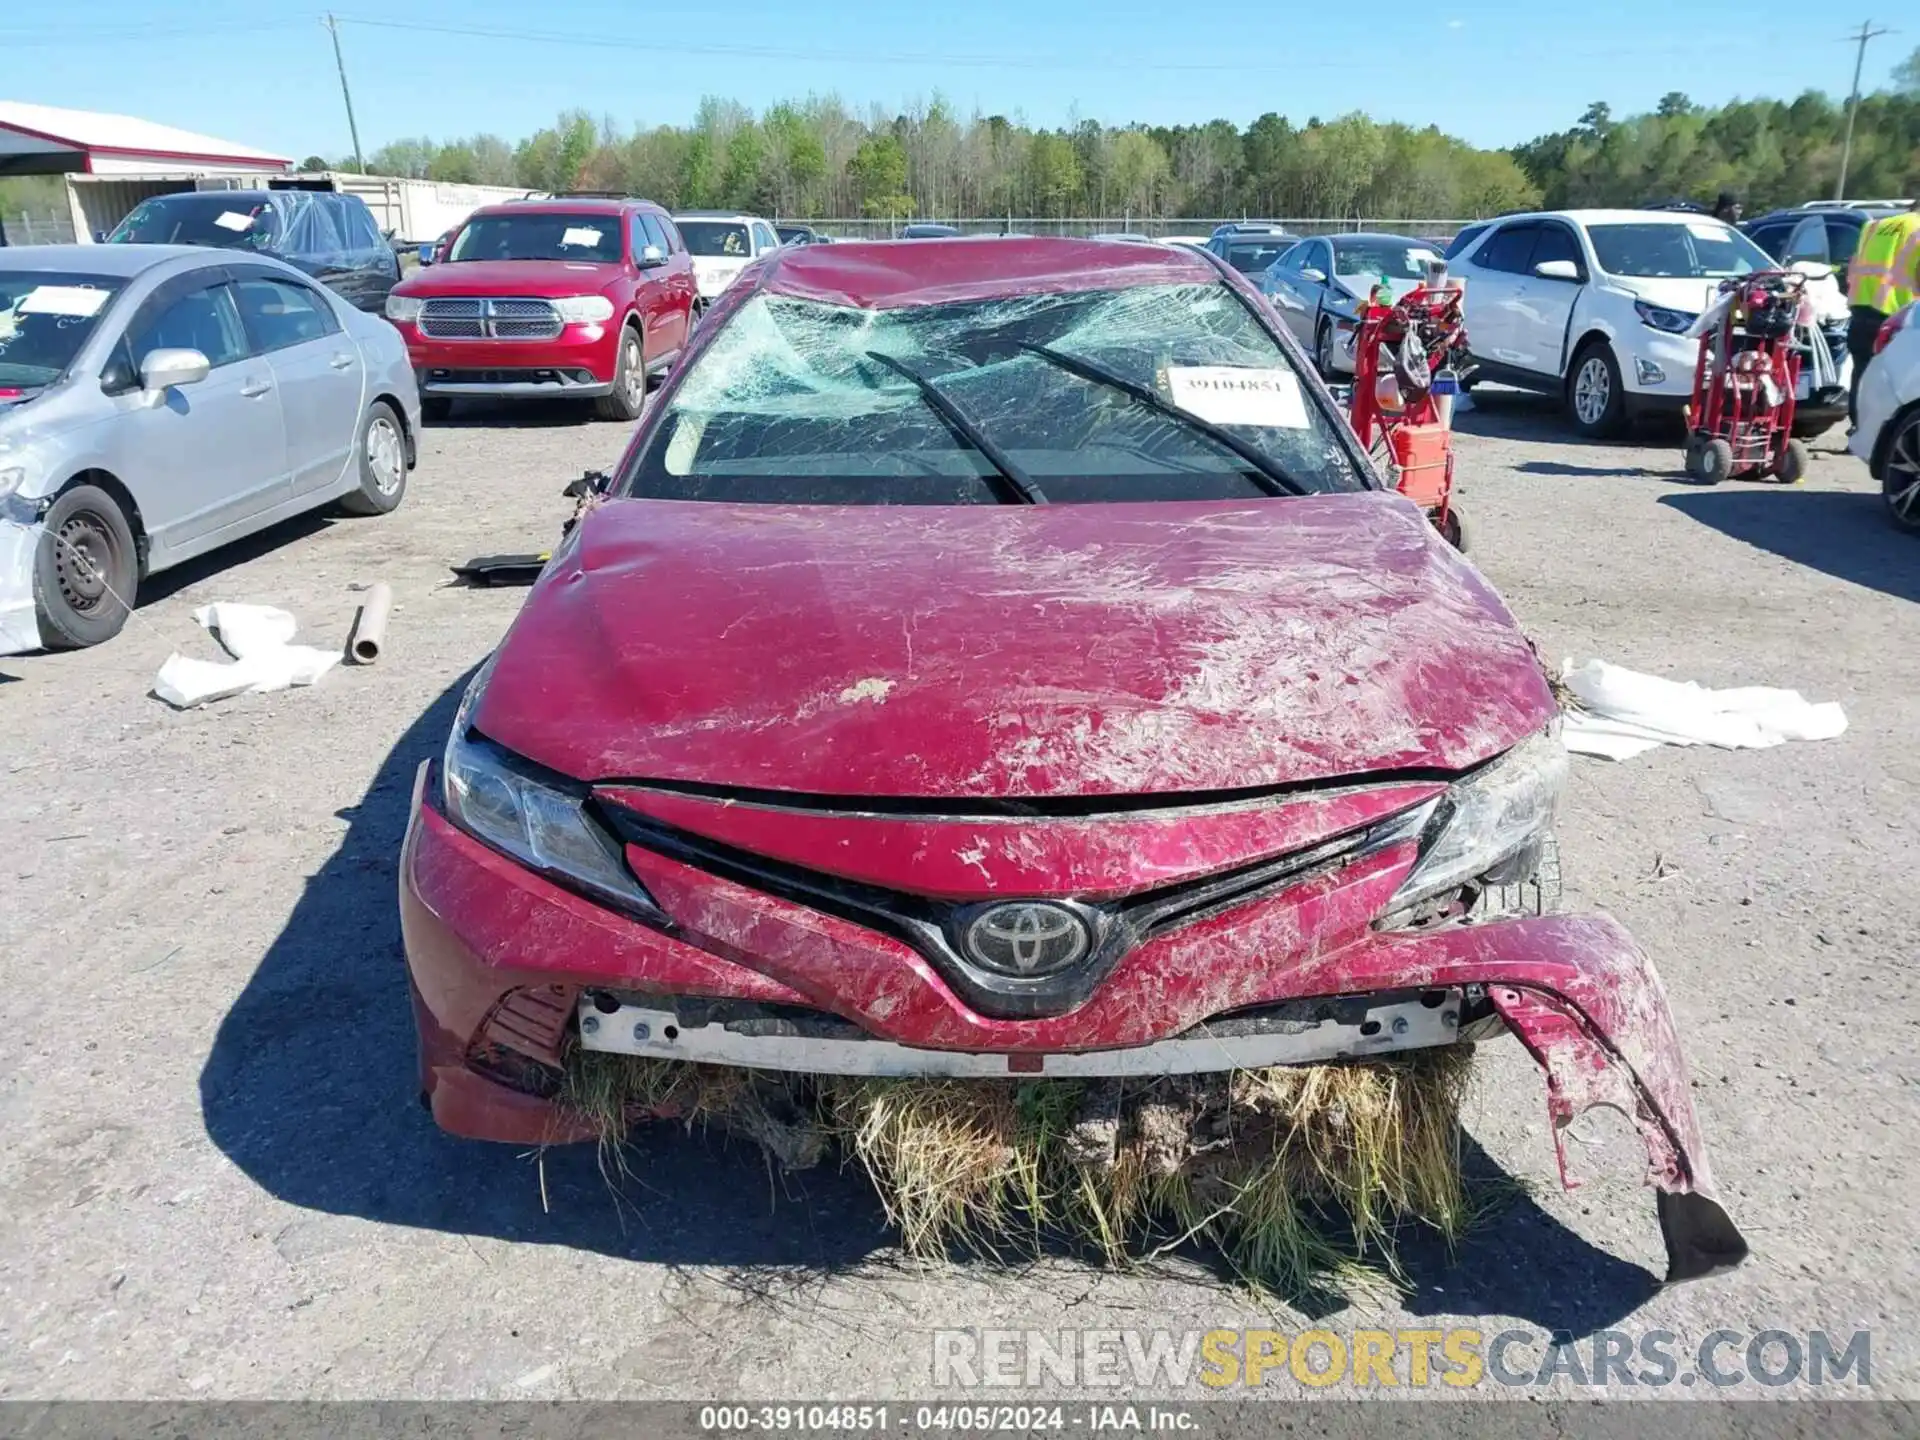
258, 637
1624, 713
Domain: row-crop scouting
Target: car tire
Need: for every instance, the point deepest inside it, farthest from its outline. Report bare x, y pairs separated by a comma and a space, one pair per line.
1596, 398
380, 452
1323, 350
436, 408
1791, 465
1900, 473
86, 571
629, 394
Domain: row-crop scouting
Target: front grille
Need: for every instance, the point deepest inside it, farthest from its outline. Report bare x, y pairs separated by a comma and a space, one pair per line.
464, 318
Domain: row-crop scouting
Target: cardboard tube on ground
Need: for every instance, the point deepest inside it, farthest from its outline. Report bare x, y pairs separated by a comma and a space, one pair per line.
369, 635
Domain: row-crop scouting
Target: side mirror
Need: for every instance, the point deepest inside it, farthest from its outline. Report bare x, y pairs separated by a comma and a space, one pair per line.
1557, 270
591, 482
1318, 277
164, 369
426, 252
652, 255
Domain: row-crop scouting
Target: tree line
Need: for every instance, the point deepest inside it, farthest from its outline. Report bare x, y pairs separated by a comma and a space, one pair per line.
816, 157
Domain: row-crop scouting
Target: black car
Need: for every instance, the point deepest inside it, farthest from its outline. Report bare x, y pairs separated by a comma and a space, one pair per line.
799, 235
330, 236
927, 230
1828, 236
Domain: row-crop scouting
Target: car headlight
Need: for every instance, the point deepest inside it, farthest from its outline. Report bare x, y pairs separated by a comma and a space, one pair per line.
404, 309
537, 818
12, 477
1492, 815
1658, 317
583, 309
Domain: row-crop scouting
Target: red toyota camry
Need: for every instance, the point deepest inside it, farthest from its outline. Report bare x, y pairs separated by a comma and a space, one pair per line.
995, 657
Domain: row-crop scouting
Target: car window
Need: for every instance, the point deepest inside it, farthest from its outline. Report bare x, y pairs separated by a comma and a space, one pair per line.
1464, 240
1772, 238
320, 231
539, 235
1555, 242
1808, 241
764, 237
788, 406
1372, 257
654, 235
716, 238
280, 314
211, 217
204, 320
357, 221
674, 243
1250, 257
45, 317
1686, 250
1842, 240
1509, 250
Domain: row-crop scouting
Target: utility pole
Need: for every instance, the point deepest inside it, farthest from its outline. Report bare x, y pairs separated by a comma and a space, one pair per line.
1867, 32
333, 27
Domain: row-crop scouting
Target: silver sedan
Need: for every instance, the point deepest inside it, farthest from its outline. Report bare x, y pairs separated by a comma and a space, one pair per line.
157, 402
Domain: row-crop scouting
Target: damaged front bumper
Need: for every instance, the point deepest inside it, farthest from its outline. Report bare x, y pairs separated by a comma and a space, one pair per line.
510, 971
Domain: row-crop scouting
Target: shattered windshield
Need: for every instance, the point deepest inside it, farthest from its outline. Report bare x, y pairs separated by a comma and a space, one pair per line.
800, 402
45, 317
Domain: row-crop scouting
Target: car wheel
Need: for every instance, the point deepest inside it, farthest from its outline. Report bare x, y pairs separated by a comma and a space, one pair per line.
1323, 350
1455, 530
629, 394
437, 408
1596, 399
381, 450
86, 570
1900, 479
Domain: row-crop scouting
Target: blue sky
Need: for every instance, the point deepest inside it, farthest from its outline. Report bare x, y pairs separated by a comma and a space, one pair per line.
1493, 71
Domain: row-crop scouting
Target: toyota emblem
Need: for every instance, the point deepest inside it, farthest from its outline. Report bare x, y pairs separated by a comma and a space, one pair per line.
1027, 939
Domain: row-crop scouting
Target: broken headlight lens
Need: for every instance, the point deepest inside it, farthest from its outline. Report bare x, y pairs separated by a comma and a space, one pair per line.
541, 820
1490, 816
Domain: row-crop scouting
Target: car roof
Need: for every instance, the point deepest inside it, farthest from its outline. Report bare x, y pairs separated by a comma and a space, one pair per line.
887, 274
741, 216
1797, 213
120, 261
1375, 235
559, 205
1615, 217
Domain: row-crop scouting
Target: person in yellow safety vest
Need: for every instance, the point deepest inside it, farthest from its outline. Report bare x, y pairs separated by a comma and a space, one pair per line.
1883, 275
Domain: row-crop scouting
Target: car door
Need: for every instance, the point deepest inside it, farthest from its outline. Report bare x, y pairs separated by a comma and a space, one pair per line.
1493, 273
1542, 309
375, 266
666, 299
1285, 287
317, 367
199, 459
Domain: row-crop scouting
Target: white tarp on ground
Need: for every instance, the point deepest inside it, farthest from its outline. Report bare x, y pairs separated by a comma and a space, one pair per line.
257, 636
1623, 713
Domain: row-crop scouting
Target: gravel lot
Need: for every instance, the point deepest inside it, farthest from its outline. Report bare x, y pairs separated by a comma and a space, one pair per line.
216, 1183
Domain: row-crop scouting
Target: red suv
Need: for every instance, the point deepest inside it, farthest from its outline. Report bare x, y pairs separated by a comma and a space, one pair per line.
536, 299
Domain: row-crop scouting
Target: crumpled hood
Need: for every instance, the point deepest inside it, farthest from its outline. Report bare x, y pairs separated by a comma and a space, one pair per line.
1007, 651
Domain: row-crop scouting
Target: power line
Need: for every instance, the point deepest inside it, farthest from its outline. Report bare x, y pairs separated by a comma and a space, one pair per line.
1867, 32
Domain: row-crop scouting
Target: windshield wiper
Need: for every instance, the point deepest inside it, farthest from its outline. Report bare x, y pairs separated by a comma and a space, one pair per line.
1271, 477
1025, 490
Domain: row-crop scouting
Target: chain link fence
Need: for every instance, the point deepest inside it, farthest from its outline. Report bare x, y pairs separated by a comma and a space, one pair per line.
1155, 229
25, 229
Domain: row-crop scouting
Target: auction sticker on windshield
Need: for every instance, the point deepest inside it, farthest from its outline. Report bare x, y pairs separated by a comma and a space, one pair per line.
74, 300
1237, 395
580, 235
233, 220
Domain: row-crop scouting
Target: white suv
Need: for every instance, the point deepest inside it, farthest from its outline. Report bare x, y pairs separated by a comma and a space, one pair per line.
1888, 437
1594, 305
722, 245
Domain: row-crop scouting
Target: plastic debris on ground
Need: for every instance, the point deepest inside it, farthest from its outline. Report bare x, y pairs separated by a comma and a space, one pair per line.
259, 637
1622, 713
